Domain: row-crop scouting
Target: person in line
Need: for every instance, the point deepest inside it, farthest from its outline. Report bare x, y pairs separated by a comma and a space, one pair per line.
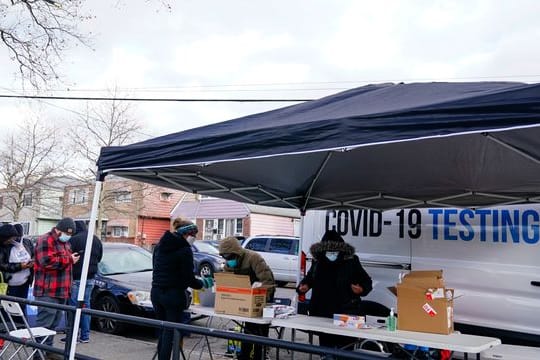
78, 245
337, 280
247, 262
171, 277
16, 260
54, 261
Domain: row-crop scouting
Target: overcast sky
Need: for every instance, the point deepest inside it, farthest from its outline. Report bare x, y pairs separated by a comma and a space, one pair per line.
279, 49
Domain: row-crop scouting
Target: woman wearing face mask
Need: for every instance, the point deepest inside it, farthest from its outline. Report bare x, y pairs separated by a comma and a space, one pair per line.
172, 275
16, 260
246, 262
337, 279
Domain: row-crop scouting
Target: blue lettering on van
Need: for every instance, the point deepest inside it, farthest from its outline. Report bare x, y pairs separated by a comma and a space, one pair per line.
486, 225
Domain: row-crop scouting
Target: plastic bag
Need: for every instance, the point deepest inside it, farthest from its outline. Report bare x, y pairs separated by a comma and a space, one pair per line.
3, 285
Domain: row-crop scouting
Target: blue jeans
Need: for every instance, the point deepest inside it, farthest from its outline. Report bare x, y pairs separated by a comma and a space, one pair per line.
85, 319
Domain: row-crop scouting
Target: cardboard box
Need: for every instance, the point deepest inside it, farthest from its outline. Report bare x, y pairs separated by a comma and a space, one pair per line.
349, 321
424, 304
234, 296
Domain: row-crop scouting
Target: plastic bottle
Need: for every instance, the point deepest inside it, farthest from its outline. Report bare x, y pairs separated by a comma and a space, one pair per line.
196, 299
391, 321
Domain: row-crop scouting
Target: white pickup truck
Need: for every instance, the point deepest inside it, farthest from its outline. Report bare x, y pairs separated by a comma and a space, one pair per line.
490, 256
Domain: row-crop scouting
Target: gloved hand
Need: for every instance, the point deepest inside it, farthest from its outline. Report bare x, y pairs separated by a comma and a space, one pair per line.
207, 282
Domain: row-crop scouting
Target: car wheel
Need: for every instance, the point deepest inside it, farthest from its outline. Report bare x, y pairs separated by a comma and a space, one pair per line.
206, 270
110, 326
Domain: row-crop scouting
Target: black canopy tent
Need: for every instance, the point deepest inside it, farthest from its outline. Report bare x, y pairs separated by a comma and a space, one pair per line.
378, 146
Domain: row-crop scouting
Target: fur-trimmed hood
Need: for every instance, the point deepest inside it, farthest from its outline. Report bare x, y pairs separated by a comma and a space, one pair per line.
318, 249
230, 245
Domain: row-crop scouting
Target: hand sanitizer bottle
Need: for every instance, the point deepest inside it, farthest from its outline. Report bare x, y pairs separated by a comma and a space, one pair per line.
391, 321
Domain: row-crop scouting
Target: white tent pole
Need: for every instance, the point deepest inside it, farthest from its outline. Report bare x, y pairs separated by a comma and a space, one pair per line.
84, 273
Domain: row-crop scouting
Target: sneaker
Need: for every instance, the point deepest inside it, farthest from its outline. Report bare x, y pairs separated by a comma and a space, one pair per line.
83, 341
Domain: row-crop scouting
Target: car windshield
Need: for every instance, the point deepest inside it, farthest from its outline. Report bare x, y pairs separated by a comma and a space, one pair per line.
205, 248
125, 260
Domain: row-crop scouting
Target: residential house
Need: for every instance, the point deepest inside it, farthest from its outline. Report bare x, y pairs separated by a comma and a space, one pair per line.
131, 211
38, 209
219, 218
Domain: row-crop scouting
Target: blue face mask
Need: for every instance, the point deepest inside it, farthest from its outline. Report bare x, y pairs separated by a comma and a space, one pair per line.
64, 237
332, 255
232, 263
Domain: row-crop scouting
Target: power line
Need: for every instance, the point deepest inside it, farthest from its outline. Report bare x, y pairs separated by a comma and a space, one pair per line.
88, 98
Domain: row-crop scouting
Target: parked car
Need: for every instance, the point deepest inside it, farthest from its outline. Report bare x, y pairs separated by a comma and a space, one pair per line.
206, 259
214, 243
279, 252
123, 284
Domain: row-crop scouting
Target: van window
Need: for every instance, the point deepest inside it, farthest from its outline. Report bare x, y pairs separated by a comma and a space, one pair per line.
280, 246
257, 244
294, 248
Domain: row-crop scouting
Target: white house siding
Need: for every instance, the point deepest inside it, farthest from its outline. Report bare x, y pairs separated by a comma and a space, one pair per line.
262, 224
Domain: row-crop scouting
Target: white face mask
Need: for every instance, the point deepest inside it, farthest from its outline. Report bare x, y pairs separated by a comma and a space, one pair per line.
190, 240
332, 255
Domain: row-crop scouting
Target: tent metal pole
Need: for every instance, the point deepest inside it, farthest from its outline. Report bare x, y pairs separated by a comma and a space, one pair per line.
84, 273
511, 147
315, 178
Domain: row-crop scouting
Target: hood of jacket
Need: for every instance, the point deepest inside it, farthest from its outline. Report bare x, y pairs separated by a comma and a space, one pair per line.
318, 249
230, 245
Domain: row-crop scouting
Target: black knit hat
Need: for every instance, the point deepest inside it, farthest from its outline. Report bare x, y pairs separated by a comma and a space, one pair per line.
7, 231
66, 225
332, 235
19, 229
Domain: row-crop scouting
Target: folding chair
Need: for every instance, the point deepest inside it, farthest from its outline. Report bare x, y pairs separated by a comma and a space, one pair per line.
27, 333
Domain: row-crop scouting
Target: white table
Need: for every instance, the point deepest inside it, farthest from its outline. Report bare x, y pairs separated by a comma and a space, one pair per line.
467, 344
210, 313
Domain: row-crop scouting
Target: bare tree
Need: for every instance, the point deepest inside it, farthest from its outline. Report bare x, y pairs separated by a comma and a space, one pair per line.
111, 123
29, 160
37, 32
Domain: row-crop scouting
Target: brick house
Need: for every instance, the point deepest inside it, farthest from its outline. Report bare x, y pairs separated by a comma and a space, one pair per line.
131, 211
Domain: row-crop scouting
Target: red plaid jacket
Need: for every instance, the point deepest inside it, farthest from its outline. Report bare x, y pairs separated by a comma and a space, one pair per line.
52, 268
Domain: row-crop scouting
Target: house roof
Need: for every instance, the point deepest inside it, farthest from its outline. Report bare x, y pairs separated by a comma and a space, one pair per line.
225, 209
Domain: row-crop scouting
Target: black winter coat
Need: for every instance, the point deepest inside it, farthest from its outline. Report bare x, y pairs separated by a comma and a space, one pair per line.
78, 243
173, 264
330, 282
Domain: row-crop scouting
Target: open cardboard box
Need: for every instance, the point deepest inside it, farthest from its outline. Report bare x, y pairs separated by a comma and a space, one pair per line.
234, 295
424, 303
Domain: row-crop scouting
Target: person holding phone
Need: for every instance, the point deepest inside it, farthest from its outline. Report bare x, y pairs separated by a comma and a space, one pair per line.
16, 260
78, 244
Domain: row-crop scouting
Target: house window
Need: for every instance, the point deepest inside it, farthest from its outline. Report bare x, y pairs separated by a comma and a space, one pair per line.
122, 196
120, 231
216, 229
78, 196
165, 196
239, 227
27, 199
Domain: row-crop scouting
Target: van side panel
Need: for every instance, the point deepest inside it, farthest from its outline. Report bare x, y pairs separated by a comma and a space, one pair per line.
490, 256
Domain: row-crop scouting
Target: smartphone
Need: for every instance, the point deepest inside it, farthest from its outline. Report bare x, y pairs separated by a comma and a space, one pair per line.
80, 252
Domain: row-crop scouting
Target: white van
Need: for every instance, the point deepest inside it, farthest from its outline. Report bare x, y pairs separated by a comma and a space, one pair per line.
491, 256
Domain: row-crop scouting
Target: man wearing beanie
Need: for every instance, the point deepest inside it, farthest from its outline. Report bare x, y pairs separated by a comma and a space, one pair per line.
53, 273
247, 262
337, 280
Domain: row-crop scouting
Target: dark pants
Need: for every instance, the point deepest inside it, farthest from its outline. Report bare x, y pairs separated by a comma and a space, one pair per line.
48, 317
252, 351
168, 306
20, 291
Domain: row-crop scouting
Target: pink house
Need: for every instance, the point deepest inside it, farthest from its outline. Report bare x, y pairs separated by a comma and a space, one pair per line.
219, 218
